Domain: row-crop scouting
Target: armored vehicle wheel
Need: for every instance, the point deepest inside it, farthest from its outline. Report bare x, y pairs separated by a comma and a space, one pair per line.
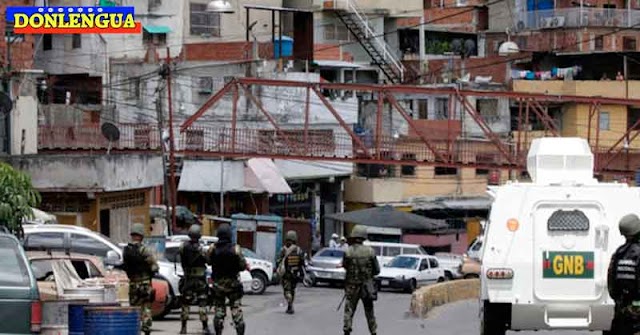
492, 322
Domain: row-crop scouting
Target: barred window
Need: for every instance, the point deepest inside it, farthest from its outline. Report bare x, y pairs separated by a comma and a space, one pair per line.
568, 221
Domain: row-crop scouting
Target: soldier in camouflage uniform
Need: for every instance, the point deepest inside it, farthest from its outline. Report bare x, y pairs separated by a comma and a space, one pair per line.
290, 263
140, 266
623, 279
227, 262
362, 266
194, 263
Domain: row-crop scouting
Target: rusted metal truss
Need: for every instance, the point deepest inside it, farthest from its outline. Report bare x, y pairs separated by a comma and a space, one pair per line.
465, 136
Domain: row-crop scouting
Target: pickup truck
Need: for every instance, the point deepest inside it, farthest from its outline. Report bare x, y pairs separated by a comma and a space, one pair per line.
451, 263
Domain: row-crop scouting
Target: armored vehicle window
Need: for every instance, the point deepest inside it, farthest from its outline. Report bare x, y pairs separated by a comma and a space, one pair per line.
568, 221
391, 251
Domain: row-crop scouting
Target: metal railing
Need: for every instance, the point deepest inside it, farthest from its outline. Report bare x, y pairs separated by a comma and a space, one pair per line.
352, 7
578, 17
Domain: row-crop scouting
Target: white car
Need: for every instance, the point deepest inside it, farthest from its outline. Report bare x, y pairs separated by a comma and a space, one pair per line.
451, 263
408, 272
548, 243
85, 241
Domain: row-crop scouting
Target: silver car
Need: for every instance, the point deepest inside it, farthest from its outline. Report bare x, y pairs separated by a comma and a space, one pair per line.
326, 266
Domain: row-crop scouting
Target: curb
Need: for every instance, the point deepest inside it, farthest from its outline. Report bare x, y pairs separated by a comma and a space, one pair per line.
427, 298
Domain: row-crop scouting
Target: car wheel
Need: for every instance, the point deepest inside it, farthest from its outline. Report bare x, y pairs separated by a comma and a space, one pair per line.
259, 282
471, 276
448, 275
412, 286
441, 279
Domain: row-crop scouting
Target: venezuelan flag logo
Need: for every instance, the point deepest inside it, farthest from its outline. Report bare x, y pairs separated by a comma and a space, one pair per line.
73, 20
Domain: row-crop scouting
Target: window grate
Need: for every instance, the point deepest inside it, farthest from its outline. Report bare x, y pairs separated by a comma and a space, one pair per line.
568, 221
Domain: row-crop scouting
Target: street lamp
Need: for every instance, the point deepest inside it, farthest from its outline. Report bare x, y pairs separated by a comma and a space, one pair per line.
220, 6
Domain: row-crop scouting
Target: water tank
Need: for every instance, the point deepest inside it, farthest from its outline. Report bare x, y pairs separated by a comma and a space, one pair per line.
287, 47
560, 159
112, 320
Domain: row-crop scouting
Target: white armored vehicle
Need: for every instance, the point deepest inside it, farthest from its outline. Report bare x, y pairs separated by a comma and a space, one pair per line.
548, 243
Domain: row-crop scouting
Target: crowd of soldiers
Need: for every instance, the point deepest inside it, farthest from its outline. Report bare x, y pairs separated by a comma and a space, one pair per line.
227, 262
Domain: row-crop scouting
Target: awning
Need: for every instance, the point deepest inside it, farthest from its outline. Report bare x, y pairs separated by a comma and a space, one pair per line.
389, 217
294, 169
157, 29
337, 63
469, 203
255, 176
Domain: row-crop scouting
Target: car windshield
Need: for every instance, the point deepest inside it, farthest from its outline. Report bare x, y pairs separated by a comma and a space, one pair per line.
171, 254
403, 262
14, 269
335, 253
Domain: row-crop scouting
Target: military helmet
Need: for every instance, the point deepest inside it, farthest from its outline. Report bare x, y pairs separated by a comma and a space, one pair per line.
137, 229
195, 231
359, 231
629, 225
224, 232
292, 236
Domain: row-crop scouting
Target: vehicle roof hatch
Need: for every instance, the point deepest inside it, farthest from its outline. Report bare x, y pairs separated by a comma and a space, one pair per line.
554, 160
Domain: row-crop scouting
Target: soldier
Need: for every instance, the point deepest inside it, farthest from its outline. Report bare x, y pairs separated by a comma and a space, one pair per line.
140, 266
194, 264
227, 262
623, 279
362, 266
290, 263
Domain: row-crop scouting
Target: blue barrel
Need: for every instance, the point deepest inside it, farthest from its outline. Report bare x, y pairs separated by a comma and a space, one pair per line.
286, 44
76, 316
112, 320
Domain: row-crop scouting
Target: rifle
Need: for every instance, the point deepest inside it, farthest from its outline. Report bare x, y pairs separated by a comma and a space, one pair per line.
344, 296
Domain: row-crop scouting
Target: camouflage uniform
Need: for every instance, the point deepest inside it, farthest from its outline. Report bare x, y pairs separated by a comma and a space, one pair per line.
292, 267
362, 266
140, 266
227, 262
194, 264
623, 280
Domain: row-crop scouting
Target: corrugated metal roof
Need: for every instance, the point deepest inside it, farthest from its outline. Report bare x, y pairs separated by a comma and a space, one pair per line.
255, 176
469, 203
295, 169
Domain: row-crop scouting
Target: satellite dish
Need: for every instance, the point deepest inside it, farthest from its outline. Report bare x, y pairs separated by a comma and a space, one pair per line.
469, 47
6, 105
456, 46
111, 133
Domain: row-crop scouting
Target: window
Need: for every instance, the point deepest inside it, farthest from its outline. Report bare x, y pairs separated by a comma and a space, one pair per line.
442, 108
629, 43
410, 251
85, 269
445, 171
47, 42
335, 253
633, 116
155, 38
44, 241
433, 263
377, 250
599, 42
424, 265
604, 120
134, 88
391, 251
336, 31
14, 268
568, 221
203, 23
408, 170
76, 41
488, 109
87, 245
482, 172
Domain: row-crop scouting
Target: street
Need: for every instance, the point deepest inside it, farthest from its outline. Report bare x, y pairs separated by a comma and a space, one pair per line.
316, 315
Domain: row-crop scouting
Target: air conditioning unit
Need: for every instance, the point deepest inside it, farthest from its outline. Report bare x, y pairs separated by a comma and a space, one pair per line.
205, 85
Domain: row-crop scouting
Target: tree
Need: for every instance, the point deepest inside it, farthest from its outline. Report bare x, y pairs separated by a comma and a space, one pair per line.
17, 198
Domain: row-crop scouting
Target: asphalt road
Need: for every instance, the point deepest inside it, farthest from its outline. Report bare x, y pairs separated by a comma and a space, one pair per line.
316, 315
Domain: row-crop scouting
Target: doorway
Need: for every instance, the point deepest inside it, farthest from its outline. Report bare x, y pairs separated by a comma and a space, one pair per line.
105, 219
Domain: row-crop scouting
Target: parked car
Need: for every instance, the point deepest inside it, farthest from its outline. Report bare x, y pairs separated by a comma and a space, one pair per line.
19, 296
85, 241
470, 268
451, 264
386, 251
475, 249
326, 266
89, 268
409, 272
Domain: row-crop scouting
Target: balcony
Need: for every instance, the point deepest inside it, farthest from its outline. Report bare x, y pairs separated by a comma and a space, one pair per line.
577, 17
592, 88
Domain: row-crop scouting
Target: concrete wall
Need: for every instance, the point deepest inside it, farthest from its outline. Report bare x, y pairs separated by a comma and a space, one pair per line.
92, 173
592, 88
373, 190
426, 183
425, 299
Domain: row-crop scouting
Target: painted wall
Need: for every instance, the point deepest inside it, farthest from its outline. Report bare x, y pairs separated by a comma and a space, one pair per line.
458, 243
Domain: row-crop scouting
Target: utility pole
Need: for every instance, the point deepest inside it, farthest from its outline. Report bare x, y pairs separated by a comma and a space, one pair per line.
166, 74
165, 189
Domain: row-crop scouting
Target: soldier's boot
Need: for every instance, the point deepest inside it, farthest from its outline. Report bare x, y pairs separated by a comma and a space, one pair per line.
290, 308
183, 330
239, 329
205, 328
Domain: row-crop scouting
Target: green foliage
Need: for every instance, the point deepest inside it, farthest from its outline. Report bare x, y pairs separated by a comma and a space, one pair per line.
17, 197
435, 47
